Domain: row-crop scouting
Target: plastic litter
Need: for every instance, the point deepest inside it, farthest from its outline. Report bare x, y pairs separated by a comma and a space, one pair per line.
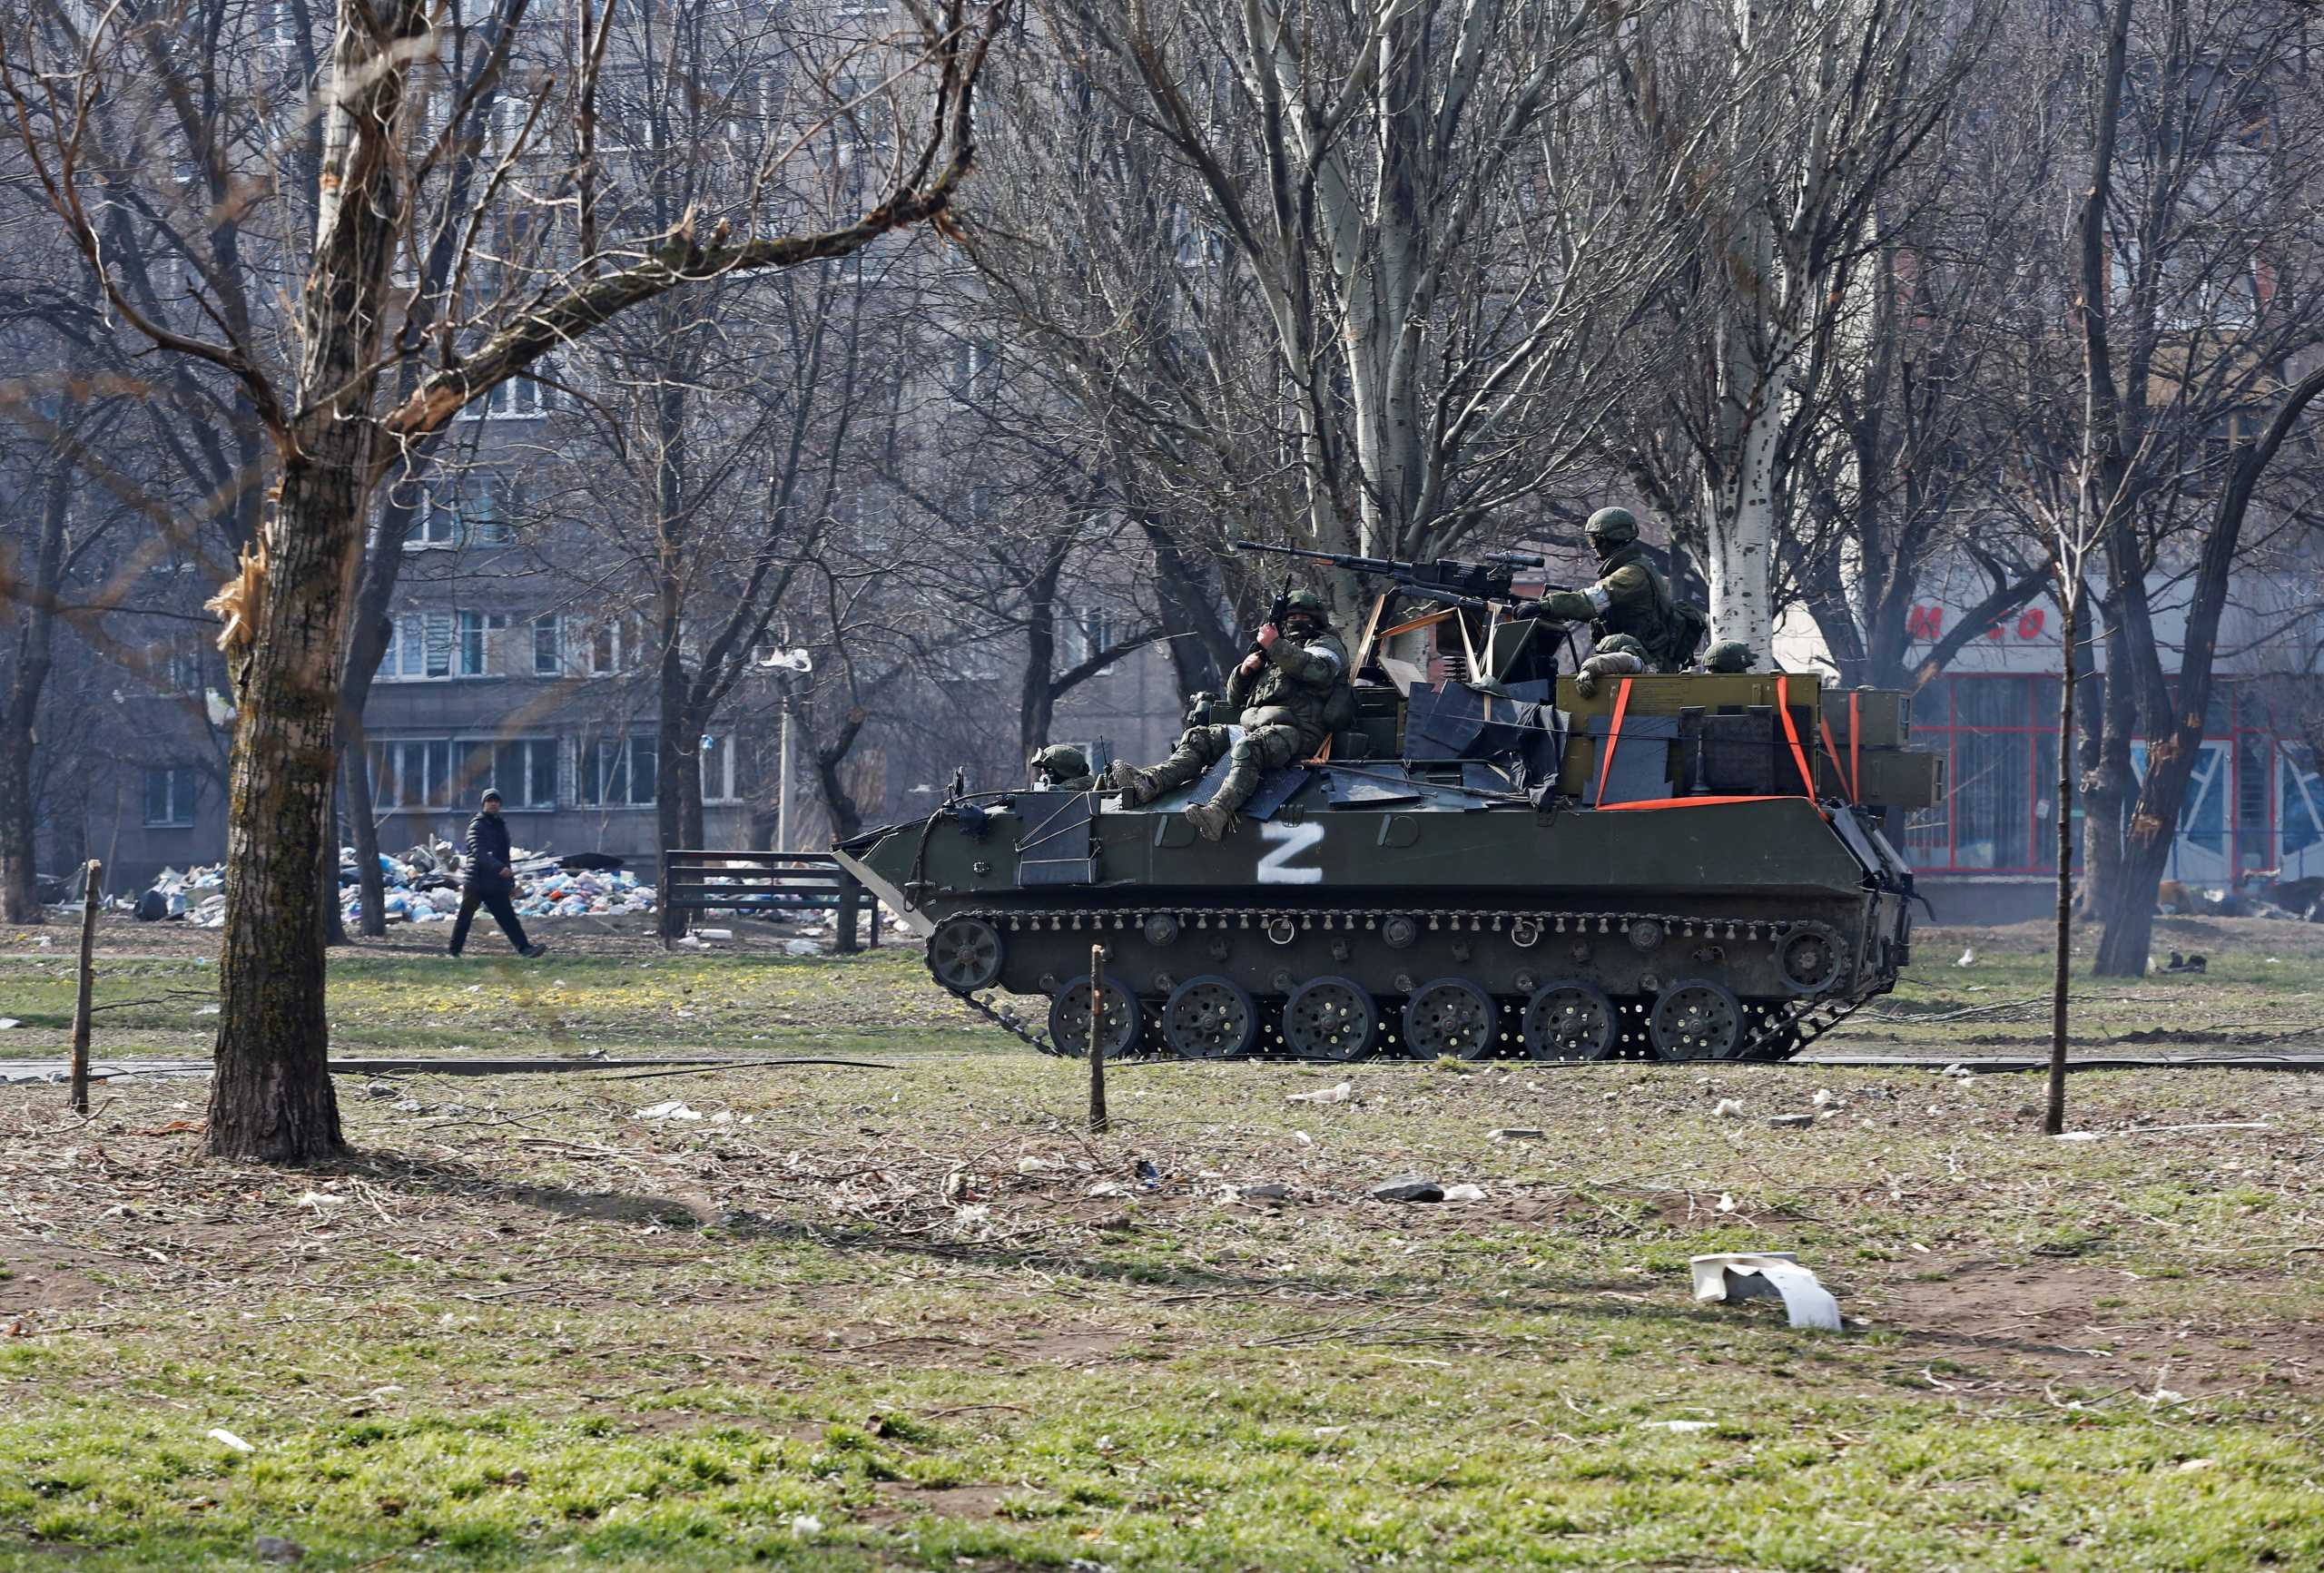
675, 1109
227, 1439
1744, 1275
423, 885
1327, 1094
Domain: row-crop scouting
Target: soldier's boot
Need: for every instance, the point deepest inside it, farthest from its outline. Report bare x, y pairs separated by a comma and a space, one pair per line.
1211, 821
1143, 785
1214, 819
1122, 777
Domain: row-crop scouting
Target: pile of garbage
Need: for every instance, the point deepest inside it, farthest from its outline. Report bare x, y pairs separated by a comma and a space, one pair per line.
423, 885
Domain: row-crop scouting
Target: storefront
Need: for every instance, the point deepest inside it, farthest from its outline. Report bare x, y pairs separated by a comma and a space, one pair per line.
2254, 805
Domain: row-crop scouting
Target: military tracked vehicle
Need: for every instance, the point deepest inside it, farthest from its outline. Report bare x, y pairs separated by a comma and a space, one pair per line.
1489, 861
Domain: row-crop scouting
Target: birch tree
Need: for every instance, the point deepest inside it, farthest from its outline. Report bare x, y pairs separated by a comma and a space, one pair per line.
1765, 132
1398, 185
329, 436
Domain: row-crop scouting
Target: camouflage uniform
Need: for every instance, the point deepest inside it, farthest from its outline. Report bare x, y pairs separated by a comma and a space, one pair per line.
1288, 706
1630, 595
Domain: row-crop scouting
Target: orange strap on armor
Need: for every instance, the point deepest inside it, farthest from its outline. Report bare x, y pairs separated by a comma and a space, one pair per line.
1791, 732
1613, 736
1856, 738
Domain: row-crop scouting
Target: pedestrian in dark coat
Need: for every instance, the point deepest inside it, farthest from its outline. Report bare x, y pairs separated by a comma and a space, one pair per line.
489, 880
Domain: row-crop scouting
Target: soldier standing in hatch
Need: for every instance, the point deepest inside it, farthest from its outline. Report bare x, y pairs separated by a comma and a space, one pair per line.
1062, 768
1292, 690
1630, 595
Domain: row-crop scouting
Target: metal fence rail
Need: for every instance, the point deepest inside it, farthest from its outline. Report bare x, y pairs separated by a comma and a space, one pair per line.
767, 885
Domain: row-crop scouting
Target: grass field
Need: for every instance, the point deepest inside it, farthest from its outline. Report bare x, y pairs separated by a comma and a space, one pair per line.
610, 987
912, 1318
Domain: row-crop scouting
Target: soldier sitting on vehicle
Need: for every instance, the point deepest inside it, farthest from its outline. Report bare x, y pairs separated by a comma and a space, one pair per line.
1630, 596
1293, 690
1062, 768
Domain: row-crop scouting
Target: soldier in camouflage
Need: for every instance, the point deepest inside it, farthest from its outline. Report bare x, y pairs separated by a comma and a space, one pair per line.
1630, 596
1292, 690
1729, 655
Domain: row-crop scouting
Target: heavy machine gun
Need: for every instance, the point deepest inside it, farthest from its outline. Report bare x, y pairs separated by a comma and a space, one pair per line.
1455, 581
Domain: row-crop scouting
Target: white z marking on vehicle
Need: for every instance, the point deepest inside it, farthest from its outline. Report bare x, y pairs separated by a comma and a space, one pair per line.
1287, 843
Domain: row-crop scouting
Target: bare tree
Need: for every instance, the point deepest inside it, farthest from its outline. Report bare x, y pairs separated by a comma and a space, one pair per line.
2196, 284
1769, 133
331, 439
1387, 199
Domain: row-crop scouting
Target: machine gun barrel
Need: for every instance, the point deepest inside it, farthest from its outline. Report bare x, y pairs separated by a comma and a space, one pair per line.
1438, 592
1478, 581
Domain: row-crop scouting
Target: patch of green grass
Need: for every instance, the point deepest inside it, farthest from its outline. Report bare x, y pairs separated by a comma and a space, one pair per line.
847, 1327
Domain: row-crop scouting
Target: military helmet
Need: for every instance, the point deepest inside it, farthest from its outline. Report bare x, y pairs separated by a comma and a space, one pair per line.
1620, 644
1728, 655
1308, 602
1612, 527
1061, 761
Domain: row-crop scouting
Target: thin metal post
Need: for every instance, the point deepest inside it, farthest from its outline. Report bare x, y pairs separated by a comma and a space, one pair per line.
782, 788
1097, 1121
80, 1095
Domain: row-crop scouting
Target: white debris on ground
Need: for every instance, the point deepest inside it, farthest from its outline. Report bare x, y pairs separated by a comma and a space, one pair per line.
423, 885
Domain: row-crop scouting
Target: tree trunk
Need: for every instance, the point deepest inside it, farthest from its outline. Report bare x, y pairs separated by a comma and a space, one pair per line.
363, 831
2054, 1119
1036, 702
19, 720
326, 909
1189, 605
1740, 514
677, 781
271, 1097
19, 890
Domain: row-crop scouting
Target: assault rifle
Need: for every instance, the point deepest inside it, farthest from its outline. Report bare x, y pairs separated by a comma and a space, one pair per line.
1449, 579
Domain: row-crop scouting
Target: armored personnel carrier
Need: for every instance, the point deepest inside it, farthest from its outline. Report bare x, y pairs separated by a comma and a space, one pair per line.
1487, 862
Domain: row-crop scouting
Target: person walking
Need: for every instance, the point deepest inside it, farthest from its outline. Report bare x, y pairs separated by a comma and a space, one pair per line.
489, 880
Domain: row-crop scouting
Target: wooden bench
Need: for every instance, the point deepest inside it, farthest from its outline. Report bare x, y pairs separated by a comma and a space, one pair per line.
767, 885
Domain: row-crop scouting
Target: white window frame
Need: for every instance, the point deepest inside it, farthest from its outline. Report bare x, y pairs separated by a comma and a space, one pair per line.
530, 788
595, 770
413, 759
415, 643
718, 770
473, 645
624, 639
552, 625
181, 795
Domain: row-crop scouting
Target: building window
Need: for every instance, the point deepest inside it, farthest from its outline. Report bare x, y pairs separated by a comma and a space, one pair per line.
976, 369
475, 647
616, 773
548, 646
1085, 634
429, 645
412, 773
616, 644
726, 774
169, 796
468, 508
525, 396
523, 770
